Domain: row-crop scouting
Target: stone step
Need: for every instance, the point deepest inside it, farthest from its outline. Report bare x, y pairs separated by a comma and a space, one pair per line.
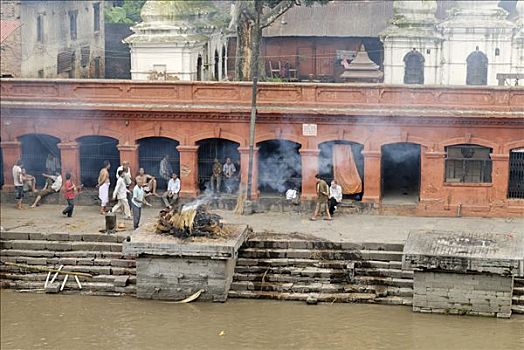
387, 281
517, 309
306, 271
328, 254
283, 243
517, 300
42, 277
70, 284
272, 277
65, 237
88, 261
374, 264
321, 297
518, 290
282, 262
94, 270
5, 253
61, 245
395, 300
518, 282
395, 273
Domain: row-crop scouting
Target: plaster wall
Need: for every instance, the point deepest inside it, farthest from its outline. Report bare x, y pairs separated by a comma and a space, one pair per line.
37, 56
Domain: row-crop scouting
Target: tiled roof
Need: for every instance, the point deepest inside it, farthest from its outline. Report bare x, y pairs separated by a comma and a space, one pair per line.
7, 26
337, 18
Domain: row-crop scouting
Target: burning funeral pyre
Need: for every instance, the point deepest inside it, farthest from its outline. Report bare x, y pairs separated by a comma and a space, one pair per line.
190, 221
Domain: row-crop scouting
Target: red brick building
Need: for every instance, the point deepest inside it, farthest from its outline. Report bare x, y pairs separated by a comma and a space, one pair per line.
443, 149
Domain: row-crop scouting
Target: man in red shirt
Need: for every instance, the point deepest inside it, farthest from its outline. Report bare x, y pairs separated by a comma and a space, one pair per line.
69, 194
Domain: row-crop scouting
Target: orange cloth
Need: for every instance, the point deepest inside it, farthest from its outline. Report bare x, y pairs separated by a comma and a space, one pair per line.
345, 171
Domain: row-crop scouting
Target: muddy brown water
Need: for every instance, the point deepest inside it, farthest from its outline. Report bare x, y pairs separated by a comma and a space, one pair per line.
39, 321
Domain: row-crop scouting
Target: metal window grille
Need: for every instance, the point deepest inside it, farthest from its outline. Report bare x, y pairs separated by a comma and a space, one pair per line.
35, 149
151, 150
516, 174
468, 164
220, 149
94, 150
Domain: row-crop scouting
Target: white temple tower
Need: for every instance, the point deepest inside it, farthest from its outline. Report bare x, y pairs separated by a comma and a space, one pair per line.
412, 44
517, 59
477, 43
179, 40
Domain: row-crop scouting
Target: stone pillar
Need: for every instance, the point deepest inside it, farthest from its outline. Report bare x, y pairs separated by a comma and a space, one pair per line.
70, 159
188, 171
371, 176
309, 170
432, 176
499, 177
11, 152
244, 166
129, 153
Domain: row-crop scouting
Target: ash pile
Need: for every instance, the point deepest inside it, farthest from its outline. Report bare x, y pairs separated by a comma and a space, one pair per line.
190, 221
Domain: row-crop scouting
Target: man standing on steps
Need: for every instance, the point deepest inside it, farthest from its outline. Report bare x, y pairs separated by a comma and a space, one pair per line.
19, 183
103, 187
136, 203
322, 199
216, 176
120, 193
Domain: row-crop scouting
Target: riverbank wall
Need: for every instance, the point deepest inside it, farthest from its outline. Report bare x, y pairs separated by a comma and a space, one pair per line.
25, 256
268, 266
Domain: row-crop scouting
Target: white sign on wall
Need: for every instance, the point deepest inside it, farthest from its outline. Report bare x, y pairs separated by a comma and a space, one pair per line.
309, 129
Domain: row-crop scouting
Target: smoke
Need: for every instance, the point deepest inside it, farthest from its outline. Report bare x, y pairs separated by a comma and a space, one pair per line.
280, 165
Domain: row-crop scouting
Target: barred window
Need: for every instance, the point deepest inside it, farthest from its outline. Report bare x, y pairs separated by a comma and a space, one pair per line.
468, 164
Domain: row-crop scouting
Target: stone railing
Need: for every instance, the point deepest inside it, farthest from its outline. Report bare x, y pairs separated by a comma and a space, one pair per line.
150, 94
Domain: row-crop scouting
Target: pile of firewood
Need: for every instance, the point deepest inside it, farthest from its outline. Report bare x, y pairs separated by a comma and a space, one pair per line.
190, 222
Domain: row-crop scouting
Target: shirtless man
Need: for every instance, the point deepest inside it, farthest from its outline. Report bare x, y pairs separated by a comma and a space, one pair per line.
103, 187
147, 183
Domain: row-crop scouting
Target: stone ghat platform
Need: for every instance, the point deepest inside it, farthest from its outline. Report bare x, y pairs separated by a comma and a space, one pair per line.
99, 255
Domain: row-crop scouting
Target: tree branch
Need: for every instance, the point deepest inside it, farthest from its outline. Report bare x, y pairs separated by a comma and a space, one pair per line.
272, 15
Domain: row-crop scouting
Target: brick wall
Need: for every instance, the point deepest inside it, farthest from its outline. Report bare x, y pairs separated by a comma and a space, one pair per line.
462, 294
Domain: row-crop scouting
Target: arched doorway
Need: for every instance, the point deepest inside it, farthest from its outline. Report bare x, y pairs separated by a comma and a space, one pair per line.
400, 172
279, 166
221, 149
414, 68
216, 66
94, 150
223, 62
199, 68
347, 164
40, 154
477, 71
151, 151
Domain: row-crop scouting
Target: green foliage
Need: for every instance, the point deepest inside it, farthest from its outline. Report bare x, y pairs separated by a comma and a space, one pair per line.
128, 13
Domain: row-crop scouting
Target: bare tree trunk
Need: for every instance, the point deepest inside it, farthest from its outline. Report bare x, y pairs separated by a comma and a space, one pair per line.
246, 40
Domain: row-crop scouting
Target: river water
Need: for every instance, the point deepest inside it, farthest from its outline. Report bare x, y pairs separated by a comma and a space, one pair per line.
39, 321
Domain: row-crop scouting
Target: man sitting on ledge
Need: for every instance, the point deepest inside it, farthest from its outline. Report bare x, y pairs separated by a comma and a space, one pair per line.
53, 185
